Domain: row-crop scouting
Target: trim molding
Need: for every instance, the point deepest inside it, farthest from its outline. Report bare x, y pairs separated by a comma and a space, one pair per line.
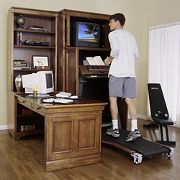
145, 117
3, 127
140, 116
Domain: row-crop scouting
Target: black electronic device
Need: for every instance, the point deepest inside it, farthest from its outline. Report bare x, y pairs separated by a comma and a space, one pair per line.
37, 28
94, 71
31, 42
86, 34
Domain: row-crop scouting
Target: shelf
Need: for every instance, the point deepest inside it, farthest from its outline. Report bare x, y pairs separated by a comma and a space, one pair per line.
20, 134
25, 42
88, 48
34, 31
27, 116
19, 50
36, 47
31, 70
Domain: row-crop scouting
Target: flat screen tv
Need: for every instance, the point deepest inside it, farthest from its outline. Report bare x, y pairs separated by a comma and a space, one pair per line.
87, 34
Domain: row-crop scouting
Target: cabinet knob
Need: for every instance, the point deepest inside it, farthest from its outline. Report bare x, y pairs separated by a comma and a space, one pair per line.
39, 107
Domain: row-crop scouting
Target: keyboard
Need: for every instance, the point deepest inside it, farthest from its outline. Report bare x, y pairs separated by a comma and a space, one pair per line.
64, 101
57, 100
63, 94
98, 68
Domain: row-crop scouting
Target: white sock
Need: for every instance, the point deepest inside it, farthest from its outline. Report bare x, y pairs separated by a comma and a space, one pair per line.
115, 124
133, 124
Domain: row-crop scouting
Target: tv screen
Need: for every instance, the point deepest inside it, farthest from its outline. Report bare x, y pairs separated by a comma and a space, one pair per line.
49, 80
87, 34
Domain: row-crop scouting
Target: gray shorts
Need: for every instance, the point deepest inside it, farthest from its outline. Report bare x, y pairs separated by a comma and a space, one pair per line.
124, 87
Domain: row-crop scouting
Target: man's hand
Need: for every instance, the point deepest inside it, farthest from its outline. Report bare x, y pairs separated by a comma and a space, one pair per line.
108, 61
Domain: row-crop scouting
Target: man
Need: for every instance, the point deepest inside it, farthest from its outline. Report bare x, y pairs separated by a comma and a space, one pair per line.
122, 82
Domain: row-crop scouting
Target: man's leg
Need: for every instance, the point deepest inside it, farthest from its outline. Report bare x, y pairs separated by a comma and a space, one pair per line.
114, 114
132, 112
134, 134
115, 90
113, 107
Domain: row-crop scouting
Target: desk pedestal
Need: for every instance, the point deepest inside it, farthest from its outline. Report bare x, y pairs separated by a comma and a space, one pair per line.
72, 131
73, 136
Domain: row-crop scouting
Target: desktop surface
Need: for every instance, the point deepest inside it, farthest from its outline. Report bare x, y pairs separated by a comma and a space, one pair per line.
80, 101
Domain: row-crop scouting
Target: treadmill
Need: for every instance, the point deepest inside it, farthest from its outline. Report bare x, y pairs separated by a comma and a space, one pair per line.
138, 149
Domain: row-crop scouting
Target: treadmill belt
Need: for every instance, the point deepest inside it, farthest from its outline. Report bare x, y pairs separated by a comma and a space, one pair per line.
141, 145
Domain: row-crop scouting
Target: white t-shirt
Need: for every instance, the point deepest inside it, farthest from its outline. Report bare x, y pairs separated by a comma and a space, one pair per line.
124, 52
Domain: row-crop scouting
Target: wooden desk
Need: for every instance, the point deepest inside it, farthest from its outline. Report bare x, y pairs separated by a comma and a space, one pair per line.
72, 132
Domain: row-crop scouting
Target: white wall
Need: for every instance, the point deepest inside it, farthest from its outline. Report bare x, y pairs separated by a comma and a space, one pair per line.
54, 5
155, 12
130, 8
140, 15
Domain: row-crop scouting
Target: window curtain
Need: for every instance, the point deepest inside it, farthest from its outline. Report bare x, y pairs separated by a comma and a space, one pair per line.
164, 65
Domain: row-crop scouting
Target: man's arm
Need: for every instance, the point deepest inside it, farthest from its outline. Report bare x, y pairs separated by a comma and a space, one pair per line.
108, 60
136, 51
114, 42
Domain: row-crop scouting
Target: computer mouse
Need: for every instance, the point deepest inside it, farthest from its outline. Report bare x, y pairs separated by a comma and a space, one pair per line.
74, 97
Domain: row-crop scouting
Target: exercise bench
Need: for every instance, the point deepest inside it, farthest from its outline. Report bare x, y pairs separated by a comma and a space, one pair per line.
159, 111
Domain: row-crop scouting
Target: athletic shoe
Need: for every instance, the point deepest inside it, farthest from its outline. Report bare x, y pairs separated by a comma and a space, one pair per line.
133, 135
113, 132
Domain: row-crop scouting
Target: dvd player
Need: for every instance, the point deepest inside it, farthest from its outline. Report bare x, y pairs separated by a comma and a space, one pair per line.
30, 42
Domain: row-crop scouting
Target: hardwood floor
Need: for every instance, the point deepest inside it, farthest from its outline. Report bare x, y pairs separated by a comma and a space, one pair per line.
23, 160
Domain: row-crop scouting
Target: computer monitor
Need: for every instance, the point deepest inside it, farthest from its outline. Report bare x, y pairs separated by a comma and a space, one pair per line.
41, 81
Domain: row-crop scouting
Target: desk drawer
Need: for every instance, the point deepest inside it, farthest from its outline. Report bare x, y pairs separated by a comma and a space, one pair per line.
37, 108
24, 102
31, 105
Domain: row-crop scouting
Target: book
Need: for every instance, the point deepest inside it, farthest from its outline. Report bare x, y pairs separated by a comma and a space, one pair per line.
97, 60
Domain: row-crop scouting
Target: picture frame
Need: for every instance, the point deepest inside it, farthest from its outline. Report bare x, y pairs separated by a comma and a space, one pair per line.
40, 62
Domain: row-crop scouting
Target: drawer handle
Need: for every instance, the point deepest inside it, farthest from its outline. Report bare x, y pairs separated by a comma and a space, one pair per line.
39, 107
22, 101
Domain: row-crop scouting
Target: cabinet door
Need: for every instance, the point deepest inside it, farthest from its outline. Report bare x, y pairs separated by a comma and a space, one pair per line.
87, 134
72, 70
60, 137
73, 135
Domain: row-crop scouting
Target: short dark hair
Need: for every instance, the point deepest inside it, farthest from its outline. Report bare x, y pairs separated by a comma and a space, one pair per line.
118, 17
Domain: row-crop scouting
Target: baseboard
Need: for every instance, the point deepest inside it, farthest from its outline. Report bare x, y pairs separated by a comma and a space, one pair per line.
140, 116
144, 117
3, 127
176, 125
